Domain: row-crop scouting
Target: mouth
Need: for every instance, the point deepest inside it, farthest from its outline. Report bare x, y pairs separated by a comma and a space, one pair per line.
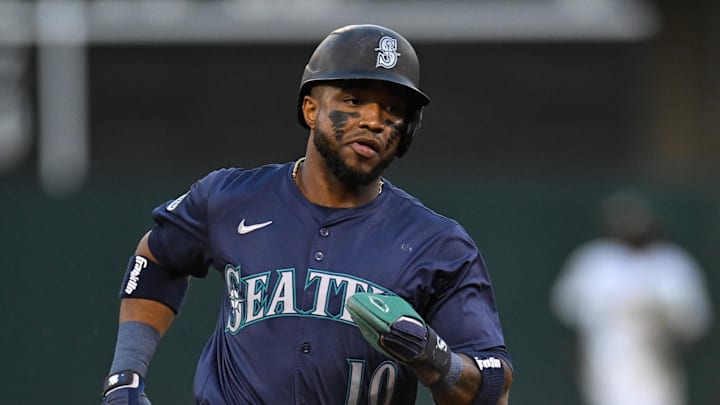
366, 147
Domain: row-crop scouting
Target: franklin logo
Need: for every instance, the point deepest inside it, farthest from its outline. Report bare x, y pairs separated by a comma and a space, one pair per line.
387, 53
134, 279
490, 362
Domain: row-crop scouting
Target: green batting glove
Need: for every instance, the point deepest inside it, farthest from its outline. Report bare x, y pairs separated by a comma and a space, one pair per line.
378, 315
393, 327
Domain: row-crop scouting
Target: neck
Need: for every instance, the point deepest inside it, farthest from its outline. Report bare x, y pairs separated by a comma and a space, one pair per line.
319, 186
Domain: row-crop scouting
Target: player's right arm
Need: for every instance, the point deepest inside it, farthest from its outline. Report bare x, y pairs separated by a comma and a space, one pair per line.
153, 313
155, 284
142, 322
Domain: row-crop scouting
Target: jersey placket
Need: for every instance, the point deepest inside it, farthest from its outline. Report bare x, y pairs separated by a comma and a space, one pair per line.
317, 260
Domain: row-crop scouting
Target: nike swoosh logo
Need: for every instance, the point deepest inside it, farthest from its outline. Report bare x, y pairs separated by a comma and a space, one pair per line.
243, 229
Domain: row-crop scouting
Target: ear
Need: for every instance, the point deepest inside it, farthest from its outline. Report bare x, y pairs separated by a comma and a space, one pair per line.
309, 109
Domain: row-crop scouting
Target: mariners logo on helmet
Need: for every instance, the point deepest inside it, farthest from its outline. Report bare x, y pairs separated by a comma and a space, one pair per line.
387, 53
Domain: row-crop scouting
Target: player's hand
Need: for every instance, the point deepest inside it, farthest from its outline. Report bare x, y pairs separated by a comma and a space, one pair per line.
125, 388
392, 326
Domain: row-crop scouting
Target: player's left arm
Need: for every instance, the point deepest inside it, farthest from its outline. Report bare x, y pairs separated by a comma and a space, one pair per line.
392, 326
468, 386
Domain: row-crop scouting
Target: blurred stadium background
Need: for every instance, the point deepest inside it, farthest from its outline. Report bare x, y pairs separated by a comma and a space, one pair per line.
539, 109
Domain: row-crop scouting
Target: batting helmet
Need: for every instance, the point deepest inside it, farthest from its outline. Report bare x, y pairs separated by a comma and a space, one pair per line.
368, 52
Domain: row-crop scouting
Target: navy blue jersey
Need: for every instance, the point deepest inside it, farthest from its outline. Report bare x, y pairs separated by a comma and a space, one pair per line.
284, 335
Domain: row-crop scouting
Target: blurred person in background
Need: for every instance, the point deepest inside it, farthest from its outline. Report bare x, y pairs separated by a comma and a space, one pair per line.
637, 301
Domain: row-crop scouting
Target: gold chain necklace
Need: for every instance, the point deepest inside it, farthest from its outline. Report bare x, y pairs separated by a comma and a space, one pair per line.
300, 161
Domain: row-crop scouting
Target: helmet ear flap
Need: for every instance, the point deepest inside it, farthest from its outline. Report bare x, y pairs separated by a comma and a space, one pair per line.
412, 126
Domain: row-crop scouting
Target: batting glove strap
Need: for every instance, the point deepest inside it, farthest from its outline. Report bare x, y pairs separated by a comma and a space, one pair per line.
432, 364
126, 379
407, 339
418, 346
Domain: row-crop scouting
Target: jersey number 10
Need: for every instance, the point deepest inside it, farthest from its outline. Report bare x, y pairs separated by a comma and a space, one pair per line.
382, 383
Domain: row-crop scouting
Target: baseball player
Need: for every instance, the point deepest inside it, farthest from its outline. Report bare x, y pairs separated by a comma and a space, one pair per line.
632, 293
340, 288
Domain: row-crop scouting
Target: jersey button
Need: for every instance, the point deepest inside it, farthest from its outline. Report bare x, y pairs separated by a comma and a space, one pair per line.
319, 256
324, 232
306, 347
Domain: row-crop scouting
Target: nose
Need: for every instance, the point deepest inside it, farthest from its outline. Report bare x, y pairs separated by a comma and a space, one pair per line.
372, 117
